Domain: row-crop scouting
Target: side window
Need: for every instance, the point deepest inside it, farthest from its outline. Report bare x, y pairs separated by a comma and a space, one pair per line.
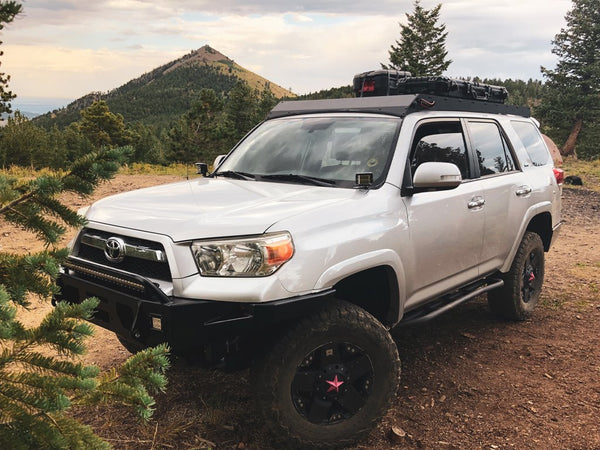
440, 142
490, 148
532, 141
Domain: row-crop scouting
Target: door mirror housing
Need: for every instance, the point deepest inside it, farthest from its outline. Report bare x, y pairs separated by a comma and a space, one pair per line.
437, 176
218, 160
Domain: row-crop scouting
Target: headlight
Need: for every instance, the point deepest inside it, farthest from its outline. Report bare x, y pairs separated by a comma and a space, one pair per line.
252, 257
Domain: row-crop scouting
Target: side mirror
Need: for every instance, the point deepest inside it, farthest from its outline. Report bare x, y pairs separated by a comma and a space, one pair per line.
218, 160
437, 175
202, 169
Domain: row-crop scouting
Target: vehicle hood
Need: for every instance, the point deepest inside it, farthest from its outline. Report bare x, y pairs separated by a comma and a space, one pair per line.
207, 208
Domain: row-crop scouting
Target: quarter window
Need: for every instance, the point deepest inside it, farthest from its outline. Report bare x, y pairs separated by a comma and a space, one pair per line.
532, 141
490, 148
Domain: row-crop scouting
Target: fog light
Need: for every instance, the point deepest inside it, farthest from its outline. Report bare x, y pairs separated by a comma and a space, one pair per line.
156, 323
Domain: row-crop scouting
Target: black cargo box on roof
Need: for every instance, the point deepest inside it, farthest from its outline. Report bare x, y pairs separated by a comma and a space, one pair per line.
395, 105
448, 87
378, 82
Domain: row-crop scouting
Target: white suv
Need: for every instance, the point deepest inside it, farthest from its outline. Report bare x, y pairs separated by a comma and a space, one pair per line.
327, 225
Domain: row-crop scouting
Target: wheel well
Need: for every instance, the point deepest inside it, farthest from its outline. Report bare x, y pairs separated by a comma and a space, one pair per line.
542, 225
375, 290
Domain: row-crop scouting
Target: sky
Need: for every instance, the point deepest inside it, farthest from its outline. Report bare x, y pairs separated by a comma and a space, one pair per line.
59, 50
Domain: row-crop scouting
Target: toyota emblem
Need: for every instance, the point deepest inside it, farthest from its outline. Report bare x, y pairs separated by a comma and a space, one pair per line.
114, 249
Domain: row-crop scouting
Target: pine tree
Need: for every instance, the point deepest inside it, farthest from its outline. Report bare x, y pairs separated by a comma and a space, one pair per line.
570, 107
41, 375
240, 110
421, 49
102, 127
36, 389
8, 11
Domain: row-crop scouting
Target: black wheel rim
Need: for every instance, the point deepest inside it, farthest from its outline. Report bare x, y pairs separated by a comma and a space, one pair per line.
531, 276
332, 383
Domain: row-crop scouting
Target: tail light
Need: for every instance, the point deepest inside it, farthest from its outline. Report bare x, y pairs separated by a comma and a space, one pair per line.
559, 174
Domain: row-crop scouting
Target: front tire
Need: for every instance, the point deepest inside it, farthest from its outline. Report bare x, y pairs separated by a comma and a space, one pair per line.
517, 299
330, 378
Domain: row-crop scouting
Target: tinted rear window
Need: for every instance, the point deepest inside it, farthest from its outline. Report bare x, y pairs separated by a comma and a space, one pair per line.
532, 141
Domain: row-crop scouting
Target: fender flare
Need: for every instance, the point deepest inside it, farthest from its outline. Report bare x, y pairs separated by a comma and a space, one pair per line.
359, 263
535, 210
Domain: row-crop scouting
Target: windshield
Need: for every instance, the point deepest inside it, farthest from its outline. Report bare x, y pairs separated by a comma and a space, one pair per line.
321, 149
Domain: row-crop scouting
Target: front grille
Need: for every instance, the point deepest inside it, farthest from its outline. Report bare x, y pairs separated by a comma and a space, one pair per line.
92, 249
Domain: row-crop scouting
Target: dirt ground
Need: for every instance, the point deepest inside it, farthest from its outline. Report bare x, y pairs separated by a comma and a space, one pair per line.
469, 380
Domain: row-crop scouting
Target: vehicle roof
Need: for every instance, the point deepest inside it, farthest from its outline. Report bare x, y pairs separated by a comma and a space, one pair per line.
394, 105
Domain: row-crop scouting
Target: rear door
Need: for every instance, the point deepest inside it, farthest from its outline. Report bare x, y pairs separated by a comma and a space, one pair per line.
506, 191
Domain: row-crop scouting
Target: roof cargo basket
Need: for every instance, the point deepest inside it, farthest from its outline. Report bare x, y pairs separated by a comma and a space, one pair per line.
395, 105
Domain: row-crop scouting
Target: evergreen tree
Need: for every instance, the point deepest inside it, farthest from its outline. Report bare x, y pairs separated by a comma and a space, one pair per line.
36, 388
148, 147
8, 11
102, 127
241, 110
570, 107
266, 103
421, 49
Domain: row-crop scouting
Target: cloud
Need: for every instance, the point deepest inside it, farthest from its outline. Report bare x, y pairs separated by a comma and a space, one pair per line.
74, 47
45, 71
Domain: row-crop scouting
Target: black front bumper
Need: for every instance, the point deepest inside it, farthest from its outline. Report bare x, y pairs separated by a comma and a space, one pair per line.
137, 310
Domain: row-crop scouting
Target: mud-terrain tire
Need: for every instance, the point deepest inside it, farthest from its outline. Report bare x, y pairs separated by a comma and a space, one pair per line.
517, 299
329, 379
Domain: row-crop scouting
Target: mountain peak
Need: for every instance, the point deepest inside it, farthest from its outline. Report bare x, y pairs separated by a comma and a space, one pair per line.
167, 91
208, 56
204, 55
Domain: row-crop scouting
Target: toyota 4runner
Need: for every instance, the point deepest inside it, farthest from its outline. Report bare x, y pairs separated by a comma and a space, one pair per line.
327, 225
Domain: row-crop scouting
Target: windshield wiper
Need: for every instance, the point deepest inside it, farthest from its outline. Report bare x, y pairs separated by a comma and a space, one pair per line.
305, 179
235, 174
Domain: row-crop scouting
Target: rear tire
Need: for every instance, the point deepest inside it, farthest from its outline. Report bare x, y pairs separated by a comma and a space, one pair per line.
329, 379
517, 299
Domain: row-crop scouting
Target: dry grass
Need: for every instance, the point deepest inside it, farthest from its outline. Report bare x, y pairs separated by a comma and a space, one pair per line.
589, 171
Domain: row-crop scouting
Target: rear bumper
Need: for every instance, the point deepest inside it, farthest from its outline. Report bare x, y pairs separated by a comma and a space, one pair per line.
135, 309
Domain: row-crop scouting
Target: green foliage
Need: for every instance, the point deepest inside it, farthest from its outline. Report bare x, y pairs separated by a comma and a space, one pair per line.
520, 93
40, 373
421, 49
570, 108
22, 142
215, 124
339, 92
212, 124
8, 11
103, 128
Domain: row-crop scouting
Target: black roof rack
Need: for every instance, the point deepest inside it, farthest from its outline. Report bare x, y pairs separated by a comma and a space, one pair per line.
395, 105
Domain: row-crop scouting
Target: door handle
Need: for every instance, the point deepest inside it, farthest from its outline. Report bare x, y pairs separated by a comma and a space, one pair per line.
476, 202
523, 191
